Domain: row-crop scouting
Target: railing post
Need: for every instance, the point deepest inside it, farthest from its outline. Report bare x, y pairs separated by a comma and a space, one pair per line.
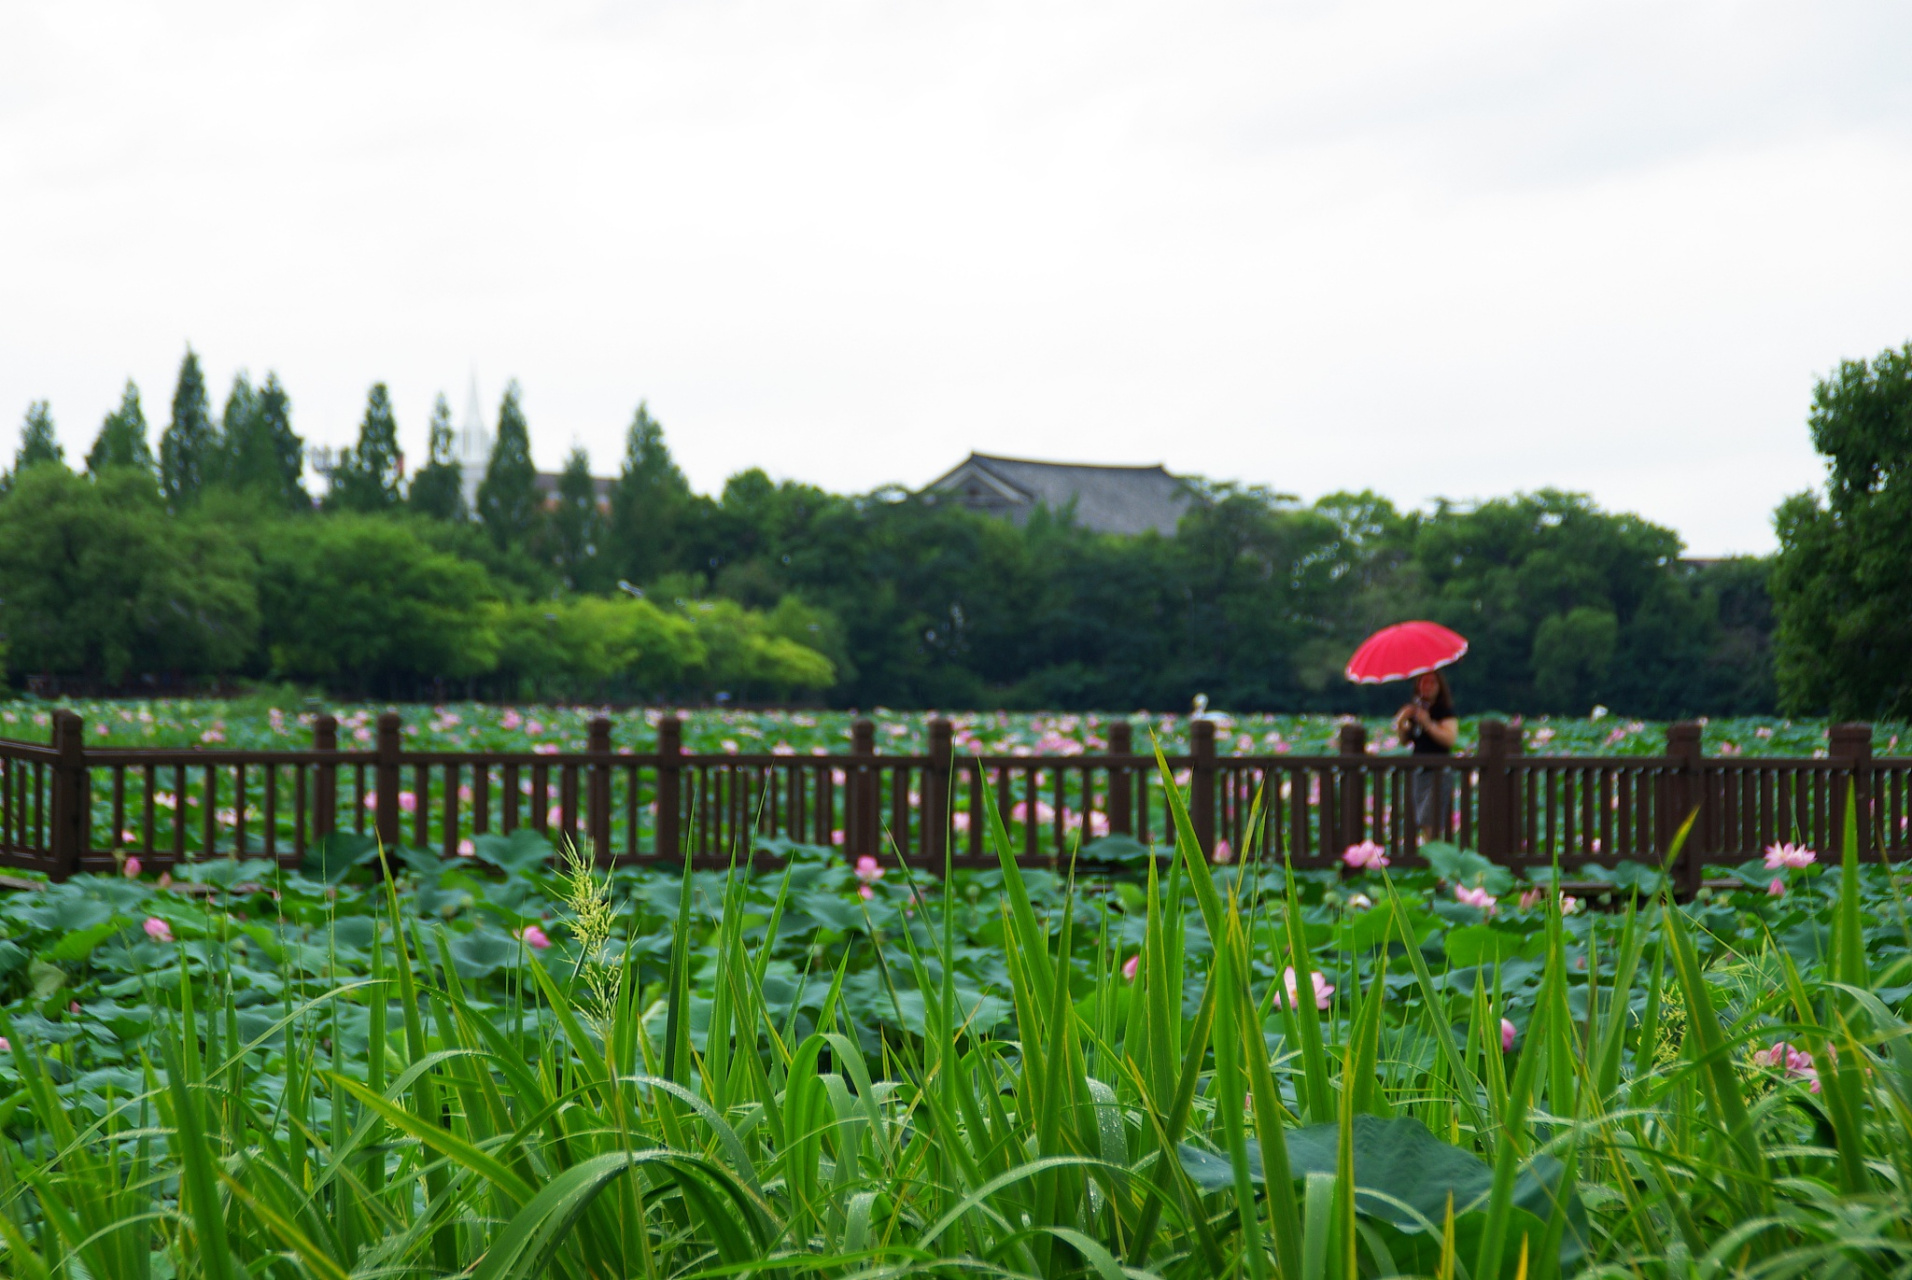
1121, 781
670, 773
1201, 781
325, 778
1493, 825
942, 756
1852, 742
70, 805
860, 839
1685, 794
597, 819
1352, 742
387, 772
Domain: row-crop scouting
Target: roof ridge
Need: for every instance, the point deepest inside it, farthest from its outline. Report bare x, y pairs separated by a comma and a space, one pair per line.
1072, 466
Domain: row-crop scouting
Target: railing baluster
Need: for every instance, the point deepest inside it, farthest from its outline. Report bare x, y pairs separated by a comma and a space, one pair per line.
271, 820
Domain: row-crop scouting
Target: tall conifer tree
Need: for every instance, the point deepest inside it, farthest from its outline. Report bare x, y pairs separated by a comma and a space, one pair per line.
264, 456
575, 526
189, 448
235, 430
368, 475
438, 490
122, 438
508, 496
277, 441
647, 503
38, 443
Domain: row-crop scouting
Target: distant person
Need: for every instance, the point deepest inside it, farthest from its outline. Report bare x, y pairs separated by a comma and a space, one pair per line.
1428, 726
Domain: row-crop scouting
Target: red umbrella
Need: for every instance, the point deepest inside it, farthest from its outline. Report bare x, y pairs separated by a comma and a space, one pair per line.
1404, 650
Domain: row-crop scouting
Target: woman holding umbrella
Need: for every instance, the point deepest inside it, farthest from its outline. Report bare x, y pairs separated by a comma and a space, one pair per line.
1427, 725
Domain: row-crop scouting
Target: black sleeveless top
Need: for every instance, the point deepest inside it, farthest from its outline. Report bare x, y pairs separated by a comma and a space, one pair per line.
1423, 745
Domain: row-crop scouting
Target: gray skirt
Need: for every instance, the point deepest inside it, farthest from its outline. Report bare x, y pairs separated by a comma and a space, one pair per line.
1429, 790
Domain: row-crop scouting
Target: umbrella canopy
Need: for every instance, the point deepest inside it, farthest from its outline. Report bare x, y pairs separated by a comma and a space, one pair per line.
1404, 650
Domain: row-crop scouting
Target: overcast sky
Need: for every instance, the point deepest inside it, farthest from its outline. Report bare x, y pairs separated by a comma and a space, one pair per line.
1451, 249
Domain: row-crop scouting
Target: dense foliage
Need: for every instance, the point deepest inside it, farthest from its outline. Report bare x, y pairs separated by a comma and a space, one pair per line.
492, 1067
1843, 579
889, 598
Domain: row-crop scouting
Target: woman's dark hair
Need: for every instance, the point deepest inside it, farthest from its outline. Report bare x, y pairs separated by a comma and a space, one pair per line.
1445, 695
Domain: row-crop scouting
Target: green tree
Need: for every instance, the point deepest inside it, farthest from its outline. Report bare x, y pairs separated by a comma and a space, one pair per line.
366, 477
365, 604
122, 438
189, 448
647, 504
1525, 579
235, 434
1572, 656
38, 443
1842, 582
438, 490
264, 456
582, 644
743, 655
508, 502
96, 580
574, 527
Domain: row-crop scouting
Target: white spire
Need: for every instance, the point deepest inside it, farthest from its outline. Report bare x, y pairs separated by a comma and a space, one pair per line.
474, 446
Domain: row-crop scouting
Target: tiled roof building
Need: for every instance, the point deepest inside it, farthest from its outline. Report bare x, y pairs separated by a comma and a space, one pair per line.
1103, 499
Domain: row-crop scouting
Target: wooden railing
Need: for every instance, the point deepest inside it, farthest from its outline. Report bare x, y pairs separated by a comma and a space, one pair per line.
66, 807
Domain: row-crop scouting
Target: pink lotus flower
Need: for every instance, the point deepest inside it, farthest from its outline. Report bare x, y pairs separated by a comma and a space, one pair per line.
1793, 856
131, 868
1506, 1035
864, 892
511, 719
407, 802
1045, 812
960, 820
1777, 889
1529, 899
6, 1046
1796, 1064
1130, 965
1223, 855
1359, 902
868, 870
534, 937
1476, 898
1366, 856
466, 849
1322, 988
158, 930
165, 879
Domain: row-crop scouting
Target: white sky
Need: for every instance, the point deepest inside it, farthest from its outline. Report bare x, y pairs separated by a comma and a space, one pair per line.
1434, 249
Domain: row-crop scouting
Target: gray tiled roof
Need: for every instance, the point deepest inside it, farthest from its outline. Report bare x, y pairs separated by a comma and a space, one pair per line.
1105, 499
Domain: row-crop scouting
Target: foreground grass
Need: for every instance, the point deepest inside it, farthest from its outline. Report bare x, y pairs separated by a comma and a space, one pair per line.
1190, 1118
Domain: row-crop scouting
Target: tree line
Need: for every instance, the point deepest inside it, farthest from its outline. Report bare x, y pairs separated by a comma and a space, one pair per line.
208, 558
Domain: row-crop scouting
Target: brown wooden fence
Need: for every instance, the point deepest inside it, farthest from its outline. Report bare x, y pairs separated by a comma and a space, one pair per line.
67, 807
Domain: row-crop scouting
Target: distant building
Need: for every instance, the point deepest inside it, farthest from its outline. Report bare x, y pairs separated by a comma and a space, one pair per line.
1102, 499
548, 490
